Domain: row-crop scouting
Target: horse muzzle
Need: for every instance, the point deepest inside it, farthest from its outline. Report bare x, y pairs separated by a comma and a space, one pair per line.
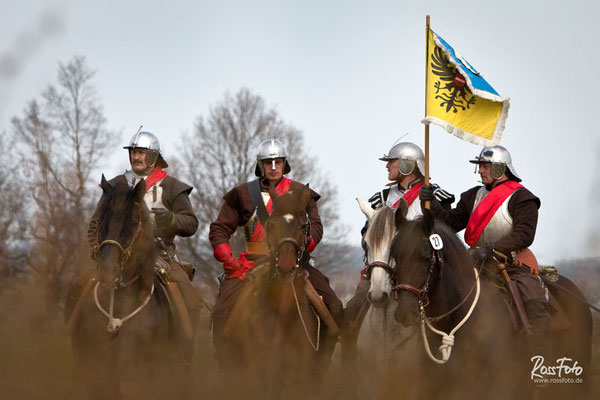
288, 253
378, 298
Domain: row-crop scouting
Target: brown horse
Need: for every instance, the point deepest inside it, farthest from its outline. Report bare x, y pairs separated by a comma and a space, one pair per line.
482, 356
273, 325
122, 334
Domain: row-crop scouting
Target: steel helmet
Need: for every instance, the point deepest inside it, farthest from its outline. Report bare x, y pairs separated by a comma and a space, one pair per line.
500, 159
148, 141
270, 150
408, 154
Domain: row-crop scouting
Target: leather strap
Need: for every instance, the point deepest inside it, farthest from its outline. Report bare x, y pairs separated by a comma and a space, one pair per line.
257, 201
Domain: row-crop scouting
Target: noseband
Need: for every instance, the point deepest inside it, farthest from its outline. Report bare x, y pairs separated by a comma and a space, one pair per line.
288, 239
391, 271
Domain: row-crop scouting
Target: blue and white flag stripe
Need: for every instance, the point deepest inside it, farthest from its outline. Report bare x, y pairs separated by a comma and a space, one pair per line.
478, 85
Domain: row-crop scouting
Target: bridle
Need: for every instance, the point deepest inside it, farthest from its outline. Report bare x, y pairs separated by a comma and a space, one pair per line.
115, 324
423, 293
423, 298
300, 248
125, 252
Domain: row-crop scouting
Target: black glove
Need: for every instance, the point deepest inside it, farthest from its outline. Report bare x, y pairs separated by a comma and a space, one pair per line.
483, 254
376, 200
163, 217
426, 193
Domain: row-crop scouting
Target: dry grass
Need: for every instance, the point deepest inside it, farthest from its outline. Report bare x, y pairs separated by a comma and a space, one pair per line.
36, 360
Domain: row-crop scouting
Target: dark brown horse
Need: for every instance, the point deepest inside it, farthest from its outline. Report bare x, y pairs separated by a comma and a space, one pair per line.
273, 325
122, 333
484, 357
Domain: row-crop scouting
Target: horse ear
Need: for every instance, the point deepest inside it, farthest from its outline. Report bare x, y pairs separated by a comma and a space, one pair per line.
140, 190
403, 207
400, 214
104, 184
365, 208
305, 195
428, 222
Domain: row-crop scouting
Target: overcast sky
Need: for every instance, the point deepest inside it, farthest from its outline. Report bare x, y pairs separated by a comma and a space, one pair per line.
349, 74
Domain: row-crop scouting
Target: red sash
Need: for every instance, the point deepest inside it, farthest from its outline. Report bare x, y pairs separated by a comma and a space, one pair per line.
154, 177
411, 195
486, 209
282, 187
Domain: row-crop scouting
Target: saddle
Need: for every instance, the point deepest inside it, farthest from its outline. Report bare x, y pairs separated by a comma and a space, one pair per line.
175, 300
558, 318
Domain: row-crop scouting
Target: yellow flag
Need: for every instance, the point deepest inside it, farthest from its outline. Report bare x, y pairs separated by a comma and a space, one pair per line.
458, 98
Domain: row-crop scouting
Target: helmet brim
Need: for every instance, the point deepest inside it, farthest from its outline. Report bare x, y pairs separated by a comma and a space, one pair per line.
161, 162
478, 161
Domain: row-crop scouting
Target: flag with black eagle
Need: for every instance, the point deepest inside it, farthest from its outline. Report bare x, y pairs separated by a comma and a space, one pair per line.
459, 99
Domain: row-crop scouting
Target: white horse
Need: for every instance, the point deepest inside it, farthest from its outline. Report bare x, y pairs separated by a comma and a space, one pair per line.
385, 349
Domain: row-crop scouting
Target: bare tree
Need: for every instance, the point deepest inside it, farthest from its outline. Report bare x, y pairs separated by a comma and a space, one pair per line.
61, 140
221, 153
13, 215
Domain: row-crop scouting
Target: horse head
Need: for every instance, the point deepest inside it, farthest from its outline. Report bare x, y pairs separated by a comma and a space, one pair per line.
431, 265
123, 223
377, 242
288, 226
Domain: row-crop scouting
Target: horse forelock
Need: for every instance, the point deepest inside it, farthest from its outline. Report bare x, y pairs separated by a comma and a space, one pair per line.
380, 234
119, 205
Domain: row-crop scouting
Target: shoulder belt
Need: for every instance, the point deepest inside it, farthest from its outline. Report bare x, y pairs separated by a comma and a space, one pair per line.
257, 201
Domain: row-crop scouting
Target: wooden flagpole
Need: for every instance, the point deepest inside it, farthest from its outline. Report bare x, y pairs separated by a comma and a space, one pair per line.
427, 203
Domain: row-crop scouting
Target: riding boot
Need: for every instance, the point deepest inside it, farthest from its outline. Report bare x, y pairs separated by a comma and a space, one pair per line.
327, 344
539, 340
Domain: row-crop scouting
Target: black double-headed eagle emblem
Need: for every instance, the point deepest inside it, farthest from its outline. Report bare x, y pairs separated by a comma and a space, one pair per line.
454, 93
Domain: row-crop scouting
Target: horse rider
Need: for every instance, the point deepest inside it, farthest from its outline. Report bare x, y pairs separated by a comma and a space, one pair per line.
240, 209
502, 215
172, 212
405, 163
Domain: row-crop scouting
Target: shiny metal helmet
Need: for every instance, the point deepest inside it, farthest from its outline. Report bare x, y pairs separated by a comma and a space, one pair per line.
149, 141
408, 154
270, 150
500, 159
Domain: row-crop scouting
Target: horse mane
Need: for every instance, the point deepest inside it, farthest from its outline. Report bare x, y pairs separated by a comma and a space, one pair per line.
381, 225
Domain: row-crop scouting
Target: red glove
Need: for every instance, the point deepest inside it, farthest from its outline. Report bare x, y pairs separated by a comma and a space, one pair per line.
233, 267
310, 245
